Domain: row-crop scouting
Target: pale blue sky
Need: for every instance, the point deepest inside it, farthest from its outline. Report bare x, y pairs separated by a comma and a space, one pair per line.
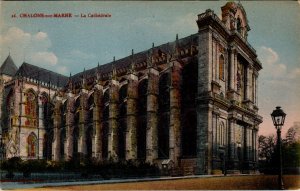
69, 44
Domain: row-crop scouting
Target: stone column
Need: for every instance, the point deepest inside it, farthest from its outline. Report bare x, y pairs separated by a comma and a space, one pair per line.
246, 144
69, 128
113, 120
231, 70
97, 117
82, 148
56, 132
131, 135
249, 80
40, 127
152, 107
255, 145
232, 150
175, 124
204, 139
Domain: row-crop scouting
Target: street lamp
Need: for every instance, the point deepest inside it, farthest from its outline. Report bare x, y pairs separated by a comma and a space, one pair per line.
278, 117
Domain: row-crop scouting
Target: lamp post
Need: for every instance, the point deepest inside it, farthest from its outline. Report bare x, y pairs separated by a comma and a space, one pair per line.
278, 117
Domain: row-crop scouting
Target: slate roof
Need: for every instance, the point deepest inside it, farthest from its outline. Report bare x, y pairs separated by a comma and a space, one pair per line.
8, 67
46, 76
138, 57
41, 74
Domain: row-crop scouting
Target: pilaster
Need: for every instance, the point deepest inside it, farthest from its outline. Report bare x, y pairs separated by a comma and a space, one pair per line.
204, 139
175, 108
56, 131
97, 116
113, 120
131, 132
152, 107
232, 92
69, 128
82, 147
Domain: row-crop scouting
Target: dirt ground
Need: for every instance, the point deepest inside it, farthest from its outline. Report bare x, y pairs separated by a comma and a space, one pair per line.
259, 182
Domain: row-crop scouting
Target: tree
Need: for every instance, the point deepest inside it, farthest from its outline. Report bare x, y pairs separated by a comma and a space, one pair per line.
290, 136
266, 147
267, 153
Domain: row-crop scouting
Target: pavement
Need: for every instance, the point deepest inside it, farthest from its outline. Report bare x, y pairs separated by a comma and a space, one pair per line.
24, 185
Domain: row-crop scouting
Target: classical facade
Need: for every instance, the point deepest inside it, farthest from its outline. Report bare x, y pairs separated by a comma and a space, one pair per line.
191, 102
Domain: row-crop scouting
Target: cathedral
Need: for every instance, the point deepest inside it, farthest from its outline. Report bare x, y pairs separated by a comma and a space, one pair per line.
190, 104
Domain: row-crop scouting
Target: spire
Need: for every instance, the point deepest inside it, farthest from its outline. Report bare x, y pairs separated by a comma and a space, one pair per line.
114, 71
176, 47
132, 65
70, 83
84, 84
98, 75
149, 57
8, 67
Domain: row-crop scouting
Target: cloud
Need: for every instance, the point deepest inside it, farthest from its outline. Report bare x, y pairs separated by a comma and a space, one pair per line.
32, 48
81, 55
44, 58
278, 85
273, 68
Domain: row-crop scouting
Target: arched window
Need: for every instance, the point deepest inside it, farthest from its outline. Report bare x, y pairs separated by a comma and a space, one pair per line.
164, 119
221, 68
30, 109
7, 121
188, 109
32, 145
47, 111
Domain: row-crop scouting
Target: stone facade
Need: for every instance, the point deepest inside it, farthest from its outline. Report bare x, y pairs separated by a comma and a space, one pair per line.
192, 101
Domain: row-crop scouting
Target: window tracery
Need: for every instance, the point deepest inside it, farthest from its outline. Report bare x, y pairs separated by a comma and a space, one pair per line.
30, 108
32, 145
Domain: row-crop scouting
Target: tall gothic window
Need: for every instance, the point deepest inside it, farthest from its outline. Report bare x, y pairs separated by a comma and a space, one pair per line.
32, 145
221, 68
142, 119
9, 110
163, 122
48, 125
188, 111
30, 108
